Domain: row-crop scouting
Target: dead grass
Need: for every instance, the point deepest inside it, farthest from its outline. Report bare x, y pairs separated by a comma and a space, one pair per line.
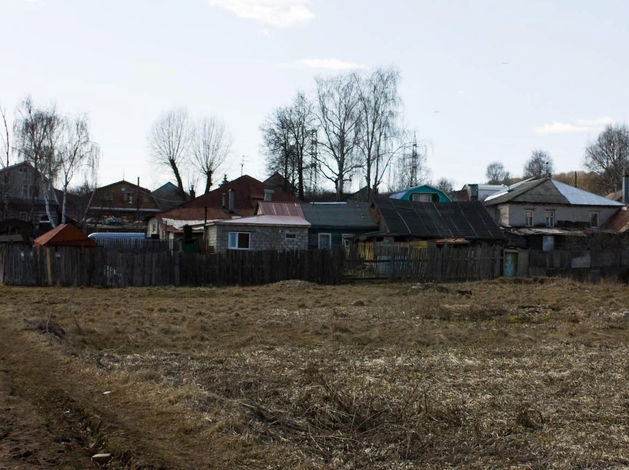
497, 374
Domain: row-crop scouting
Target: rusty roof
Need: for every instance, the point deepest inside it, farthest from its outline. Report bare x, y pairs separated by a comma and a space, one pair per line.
279, 208
64, 235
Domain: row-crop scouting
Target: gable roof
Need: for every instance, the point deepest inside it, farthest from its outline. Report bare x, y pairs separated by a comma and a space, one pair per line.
340, 215
248, 192
468, 219
168, 196
266, 220
64, 235
548, 191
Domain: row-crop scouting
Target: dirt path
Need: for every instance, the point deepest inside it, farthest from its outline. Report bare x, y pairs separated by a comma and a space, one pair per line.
29, 439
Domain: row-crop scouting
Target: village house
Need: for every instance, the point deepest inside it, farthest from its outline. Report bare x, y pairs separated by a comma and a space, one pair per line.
233, 199
22, 190
257, 233
122, 206
547, 212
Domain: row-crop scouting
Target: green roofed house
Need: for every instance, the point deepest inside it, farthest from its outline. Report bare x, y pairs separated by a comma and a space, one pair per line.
423, 193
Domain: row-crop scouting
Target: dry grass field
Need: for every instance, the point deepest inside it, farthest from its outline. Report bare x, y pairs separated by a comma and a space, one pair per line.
493, 374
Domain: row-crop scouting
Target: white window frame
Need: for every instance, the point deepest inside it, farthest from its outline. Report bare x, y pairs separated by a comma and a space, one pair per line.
553, 222
598, 219
526, 217
229, 240
329, 235
290, 236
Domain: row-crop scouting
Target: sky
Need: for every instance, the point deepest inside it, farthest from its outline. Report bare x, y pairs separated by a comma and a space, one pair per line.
481, 81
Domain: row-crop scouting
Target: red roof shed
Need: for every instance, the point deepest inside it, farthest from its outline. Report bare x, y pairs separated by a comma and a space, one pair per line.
64, 235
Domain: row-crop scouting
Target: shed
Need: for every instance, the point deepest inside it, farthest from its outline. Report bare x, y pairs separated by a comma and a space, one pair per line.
423, 193
64, 235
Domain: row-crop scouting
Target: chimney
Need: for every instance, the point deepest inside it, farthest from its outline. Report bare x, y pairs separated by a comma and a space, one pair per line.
268, 194
625, 187
231, 200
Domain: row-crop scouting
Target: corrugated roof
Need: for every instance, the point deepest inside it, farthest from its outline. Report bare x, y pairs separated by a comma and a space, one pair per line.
268, 220
64, 235
548, 191
468, 219
347, 215
280, 208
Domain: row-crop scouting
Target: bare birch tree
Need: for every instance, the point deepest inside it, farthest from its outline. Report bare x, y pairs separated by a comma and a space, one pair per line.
170, 141
38, 130
210, 148
77, 153
278, 146
339, 115
379, 102
496, 173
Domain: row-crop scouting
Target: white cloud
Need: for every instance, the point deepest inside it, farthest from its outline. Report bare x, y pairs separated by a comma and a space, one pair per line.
329, 64
581, 125
278, 13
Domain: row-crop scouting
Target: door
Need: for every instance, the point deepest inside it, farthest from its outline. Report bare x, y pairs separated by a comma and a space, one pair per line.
510, 264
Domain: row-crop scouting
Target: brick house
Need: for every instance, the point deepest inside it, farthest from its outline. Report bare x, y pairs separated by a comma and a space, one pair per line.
261, 232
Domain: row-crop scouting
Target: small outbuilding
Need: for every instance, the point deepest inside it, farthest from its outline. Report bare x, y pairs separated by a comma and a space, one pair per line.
64, 235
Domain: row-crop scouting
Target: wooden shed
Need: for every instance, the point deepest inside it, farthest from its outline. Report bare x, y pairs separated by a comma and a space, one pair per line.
64, 235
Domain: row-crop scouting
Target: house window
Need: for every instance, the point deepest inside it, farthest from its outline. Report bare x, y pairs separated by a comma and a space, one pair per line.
594, 219
422, 197
325, 241
290, 235
549, 217
528, 217
347, 241
239, 240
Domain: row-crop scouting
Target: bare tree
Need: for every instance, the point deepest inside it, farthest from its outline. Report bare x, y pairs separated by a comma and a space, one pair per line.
608, 156
77, 153
169, 142
38, 130
5, 141
379, 102
339, 116
445, 185
210, 147
496, 173
539, 165
287, 140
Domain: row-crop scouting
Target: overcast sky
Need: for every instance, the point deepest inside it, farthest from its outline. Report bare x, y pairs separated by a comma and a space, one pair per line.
482, 81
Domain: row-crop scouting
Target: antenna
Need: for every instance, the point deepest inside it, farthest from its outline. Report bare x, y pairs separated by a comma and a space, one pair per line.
414, 164
242, 165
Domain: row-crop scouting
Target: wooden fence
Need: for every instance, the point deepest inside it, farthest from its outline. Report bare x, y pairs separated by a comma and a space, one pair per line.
22, 265
433, 263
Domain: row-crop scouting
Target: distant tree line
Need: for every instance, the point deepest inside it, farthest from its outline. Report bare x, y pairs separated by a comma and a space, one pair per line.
351, 125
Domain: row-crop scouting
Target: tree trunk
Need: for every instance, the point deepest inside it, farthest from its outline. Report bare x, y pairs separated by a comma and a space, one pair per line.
208, 181
63, 204
173, 165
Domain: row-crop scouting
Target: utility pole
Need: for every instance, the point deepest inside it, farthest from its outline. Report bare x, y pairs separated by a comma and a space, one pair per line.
242, 165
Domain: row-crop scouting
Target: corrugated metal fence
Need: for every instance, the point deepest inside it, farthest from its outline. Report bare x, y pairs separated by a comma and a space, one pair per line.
21, 265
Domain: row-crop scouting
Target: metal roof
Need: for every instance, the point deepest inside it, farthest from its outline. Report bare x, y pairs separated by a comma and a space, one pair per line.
268, 220
549, 191
64, 235
468, 219
279, 208
345, 215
